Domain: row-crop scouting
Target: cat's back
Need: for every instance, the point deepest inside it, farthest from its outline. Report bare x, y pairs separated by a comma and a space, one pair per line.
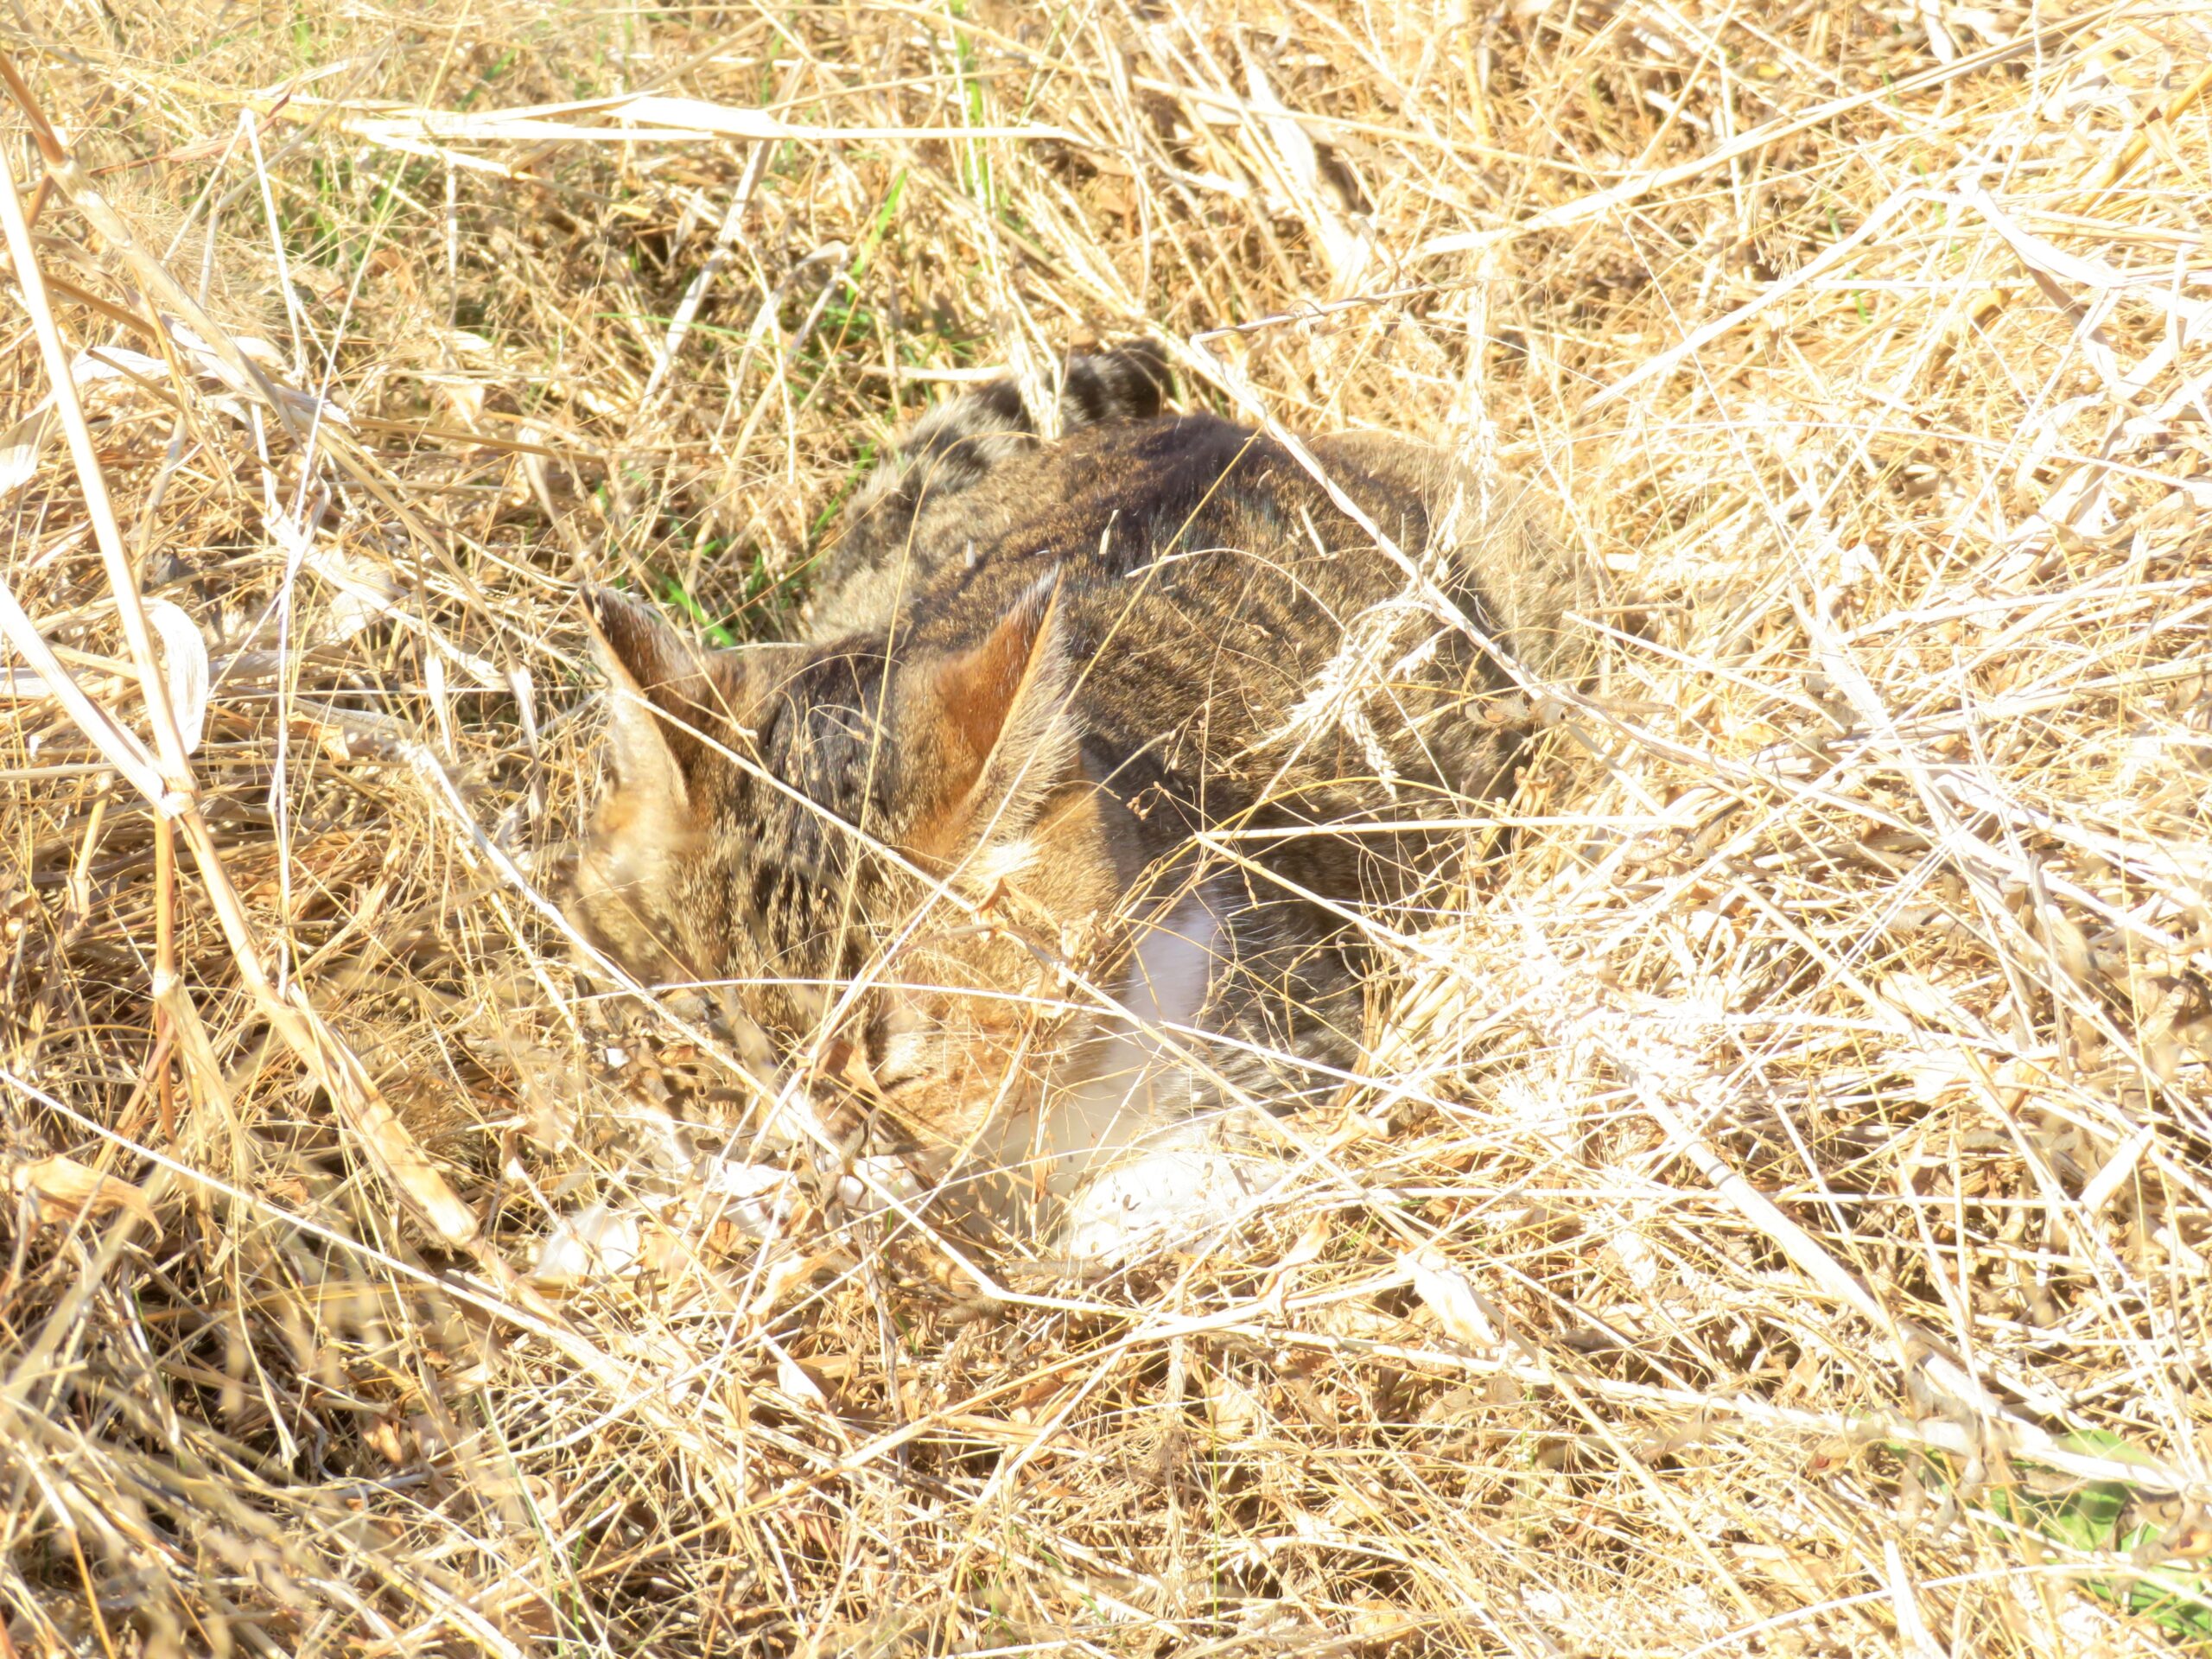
1205, 577
1235, 626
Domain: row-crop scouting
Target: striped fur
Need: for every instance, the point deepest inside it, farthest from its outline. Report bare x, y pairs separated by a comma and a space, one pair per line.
947, 453
1041, 671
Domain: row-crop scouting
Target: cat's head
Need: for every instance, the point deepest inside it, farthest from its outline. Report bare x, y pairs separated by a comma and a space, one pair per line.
877, 864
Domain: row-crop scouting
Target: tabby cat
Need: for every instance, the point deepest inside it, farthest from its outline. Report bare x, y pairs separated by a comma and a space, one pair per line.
1048, 840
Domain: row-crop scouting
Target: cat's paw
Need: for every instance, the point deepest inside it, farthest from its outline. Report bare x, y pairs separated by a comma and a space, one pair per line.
1170, 1196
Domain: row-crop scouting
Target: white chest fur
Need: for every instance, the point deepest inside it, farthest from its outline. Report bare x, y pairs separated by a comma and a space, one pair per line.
1130, 1089
1126, 1088
1127, 1162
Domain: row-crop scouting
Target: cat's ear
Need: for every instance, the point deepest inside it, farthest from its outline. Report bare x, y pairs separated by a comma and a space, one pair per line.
986, 730
657, 689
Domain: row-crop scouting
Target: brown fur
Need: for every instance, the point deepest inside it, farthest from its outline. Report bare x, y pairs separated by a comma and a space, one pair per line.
1039, 672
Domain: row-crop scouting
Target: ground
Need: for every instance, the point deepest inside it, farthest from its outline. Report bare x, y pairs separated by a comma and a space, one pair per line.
1774, 1218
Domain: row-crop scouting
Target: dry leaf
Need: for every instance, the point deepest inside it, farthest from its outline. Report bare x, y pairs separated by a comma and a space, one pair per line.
67, 1189
184, 665
596, 1242
1455, 1303
791, 1378
22, 444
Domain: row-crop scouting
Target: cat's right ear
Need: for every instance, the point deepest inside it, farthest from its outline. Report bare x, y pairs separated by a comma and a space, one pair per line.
659, 694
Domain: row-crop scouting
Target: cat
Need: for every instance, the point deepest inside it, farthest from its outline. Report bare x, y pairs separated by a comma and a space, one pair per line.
1047, 840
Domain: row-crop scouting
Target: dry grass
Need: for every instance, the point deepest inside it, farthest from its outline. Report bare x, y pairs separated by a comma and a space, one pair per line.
1776, 1222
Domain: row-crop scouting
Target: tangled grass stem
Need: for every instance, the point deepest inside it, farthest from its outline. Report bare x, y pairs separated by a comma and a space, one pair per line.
1771, 1211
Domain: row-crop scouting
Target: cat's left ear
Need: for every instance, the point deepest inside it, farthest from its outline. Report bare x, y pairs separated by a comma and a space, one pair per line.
986, 730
